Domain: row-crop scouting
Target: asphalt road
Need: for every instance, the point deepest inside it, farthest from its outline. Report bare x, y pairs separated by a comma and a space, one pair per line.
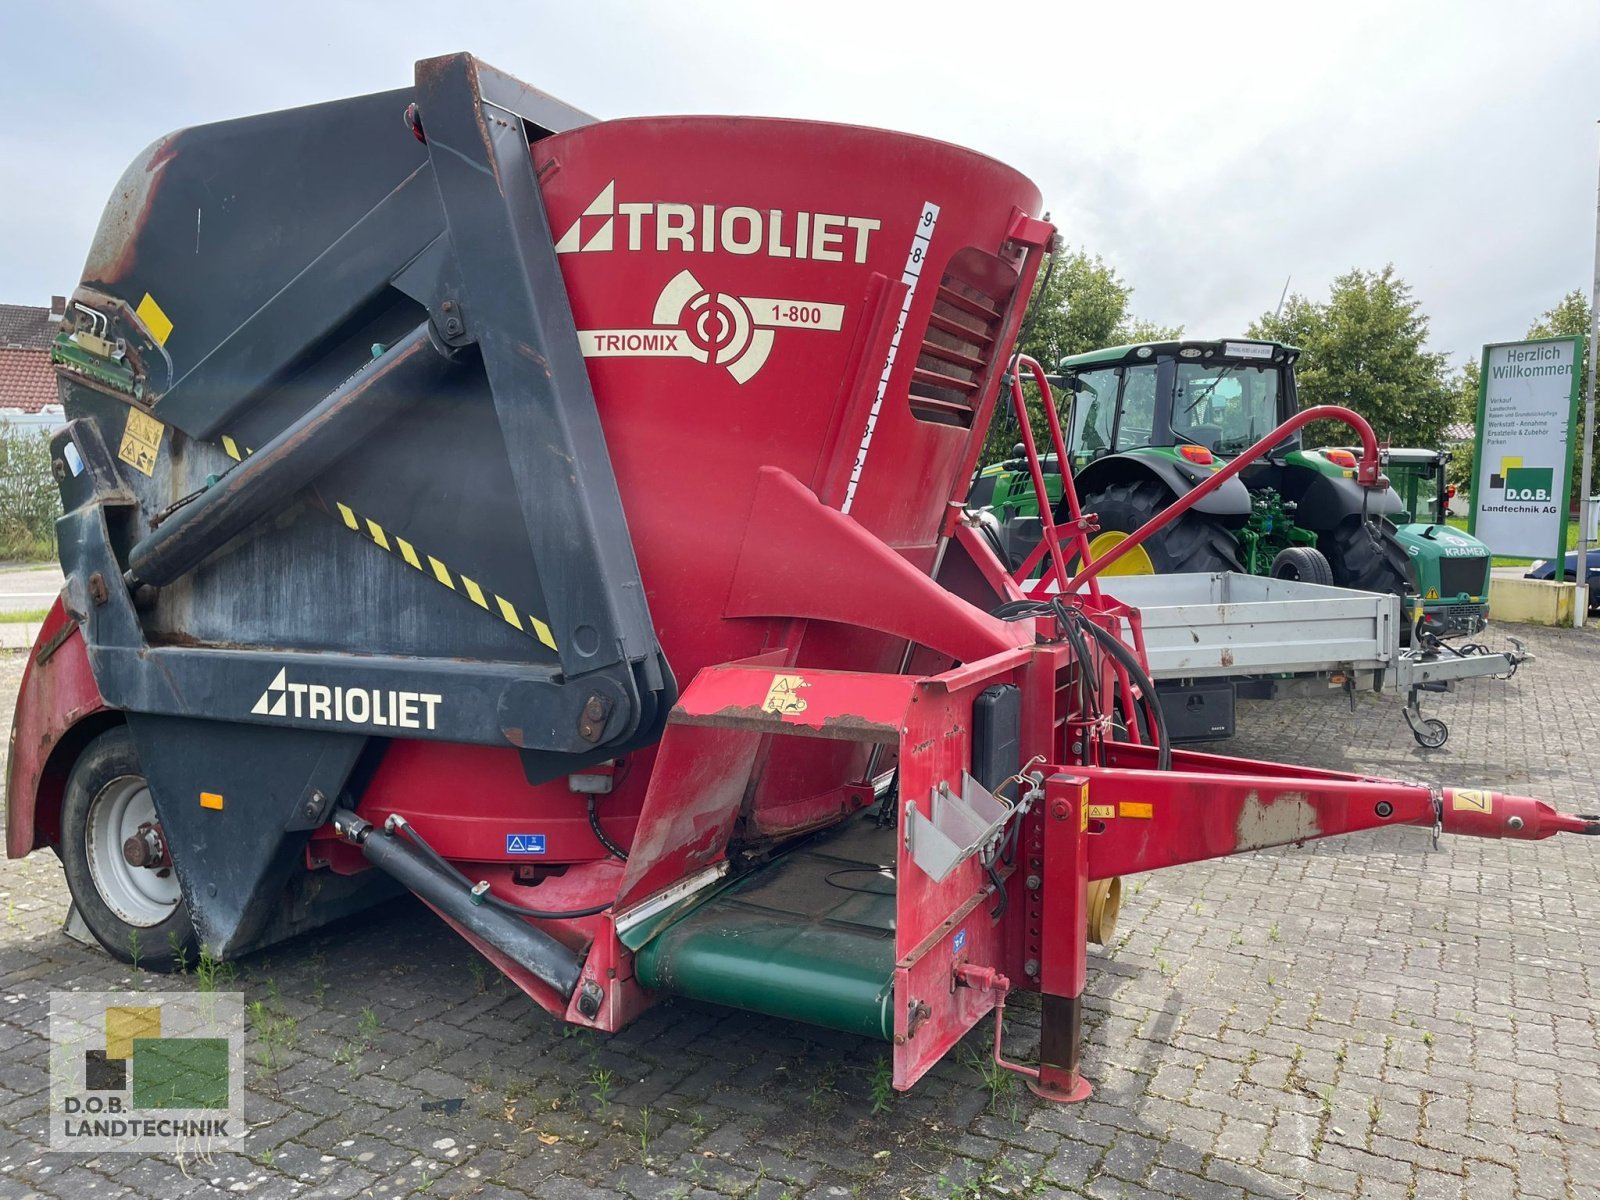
27, 587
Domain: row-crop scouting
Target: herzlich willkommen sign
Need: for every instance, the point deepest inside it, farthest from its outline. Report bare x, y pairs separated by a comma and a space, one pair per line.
1522, 471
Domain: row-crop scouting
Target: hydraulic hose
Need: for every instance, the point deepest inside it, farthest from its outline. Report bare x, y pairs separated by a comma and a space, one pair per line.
486, 896
1071, 622
612, 848
1130, 662
418, 869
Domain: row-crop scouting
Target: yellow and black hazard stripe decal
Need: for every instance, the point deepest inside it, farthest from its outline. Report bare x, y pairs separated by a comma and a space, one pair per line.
427, 564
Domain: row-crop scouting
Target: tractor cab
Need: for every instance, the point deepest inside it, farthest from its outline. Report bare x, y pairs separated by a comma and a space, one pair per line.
1150, 422
1178, 397
1418, 477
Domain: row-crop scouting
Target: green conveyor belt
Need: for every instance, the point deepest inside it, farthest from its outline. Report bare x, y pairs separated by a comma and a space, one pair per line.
809, 937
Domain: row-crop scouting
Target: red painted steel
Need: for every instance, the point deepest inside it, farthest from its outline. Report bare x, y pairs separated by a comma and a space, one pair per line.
1064, 963
54, 717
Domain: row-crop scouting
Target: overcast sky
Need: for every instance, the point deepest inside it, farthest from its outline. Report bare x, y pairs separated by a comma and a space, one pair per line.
1208, 151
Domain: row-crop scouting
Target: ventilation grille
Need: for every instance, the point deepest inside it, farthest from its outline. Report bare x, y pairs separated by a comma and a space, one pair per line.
959, 343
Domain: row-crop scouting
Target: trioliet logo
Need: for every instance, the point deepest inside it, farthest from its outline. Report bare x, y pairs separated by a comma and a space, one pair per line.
353, 705
707, 228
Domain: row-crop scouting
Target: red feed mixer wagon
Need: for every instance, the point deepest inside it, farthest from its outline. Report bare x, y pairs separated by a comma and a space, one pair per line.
562, 520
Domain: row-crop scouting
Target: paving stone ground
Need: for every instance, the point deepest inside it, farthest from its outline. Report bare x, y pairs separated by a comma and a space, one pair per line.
1361, 1018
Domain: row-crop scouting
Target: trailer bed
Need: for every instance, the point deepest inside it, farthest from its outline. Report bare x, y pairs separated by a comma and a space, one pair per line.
1227, 625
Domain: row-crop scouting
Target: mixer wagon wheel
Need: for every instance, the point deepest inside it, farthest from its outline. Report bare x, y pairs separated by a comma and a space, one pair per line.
1194, 542
116, 860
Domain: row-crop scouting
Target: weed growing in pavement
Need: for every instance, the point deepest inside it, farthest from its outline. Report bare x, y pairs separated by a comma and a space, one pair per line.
210, 971
275, 1031
882, 1084
179, 953
997, 1081
601, 1080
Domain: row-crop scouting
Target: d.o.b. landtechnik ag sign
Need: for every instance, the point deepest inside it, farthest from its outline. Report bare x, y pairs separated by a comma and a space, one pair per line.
1527, 406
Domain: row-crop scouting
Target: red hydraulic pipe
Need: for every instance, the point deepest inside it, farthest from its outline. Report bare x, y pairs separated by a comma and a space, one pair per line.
1367, 475
1051, 542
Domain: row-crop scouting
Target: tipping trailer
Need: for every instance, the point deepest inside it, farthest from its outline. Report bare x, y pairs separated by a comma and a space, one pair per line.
400, 555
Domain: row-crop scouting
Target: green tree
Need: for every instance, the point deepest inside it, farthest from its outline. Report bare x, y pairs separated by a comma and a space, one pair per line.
1464, 393
1080, 304
1364, 347
1572, 317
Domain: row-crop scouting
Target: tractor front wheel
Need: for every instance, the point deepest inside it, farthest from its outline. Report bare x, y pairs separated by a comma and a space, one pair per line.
1194, 542
1302, 563
116, 860
1367, 560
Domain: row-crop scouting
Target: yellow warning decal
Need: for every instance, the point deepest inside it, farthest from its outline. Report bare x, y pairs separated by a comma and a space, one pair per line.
1136, 809
783, 697
1101, 812
141, 441
1471, 800
156, 321
1433, 594
427, 564
211, 800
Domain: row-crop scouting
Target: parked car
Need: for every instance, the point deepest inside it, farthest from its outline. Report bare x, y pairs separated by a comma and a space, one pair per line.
1547, 570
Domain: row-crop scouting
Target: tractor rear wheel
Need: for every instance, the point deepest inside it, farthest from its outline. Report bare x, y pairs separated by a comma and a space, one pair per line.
1194, 542
116, 861
1302, 563
1367, 564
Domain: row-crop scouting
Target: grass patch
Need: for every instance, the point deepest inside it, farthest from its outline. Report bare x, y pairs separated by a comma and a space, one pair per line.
28, 616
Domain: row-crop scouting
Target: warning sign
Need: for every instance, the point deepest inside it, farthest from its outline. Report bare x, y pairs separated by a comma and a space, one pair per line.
141, 441
1472, 800
783, 697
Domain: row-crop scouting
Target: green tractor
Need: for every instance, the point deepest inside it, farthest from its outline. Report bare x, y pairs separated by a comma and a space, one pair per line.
1451, 567
1149, 422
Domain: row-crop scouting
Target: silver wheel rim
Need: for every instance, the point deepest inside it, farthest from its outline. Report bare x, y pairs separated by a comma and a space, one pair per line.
138, 896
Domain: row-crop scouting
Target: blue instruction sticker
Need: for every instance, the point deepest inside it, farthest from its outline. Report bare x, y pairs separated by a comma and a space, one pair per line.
524, 843
959, 942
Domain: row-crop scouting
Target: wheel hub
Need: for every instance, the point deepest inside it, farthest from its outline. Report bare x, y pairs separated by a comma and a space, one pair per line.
128, 856
1134, 562
146, 848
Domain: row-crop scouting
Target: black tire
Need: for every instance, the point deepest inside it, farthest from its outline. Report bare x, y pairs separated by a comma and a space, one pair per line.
1304, 563
107, 768
1433, 734
1360, 563
1193, 543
